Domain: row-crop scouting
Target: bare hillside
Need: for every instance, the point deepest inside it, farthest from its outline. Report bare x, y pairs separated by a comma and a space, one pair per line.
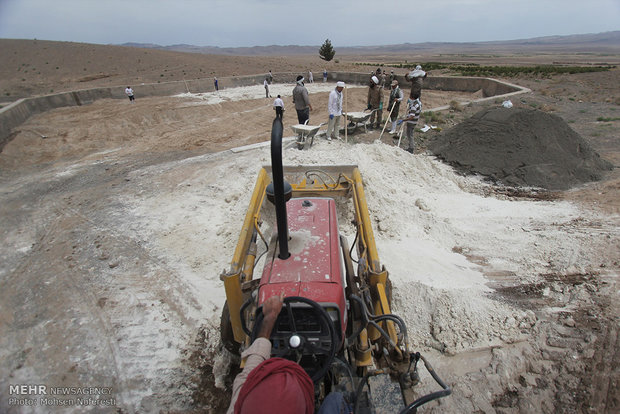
33, 67
604, 43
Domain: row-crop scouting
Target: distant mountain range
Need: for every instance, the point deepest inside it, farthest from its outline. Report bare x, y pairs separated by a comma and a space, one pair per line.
607, 42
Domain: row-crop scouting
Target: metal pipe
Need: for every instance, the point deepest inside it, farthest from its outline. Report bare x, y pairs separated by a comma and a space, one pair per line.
278, 187
412, 408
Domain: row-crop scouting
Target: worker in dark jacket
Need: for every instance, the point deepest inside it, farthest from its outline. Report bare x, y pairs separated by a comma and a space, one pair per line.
416, 77
375, 102
301, 101
396, 96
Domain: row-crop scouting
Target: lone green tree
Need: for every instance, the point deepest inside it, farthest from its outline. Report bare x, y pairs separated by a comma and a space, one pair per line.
327, 52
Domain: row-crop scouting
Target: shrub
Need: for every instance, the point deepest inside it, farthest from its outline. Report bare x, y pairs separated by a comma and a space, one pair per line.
327, 52
456, 106
432, 116
511, 71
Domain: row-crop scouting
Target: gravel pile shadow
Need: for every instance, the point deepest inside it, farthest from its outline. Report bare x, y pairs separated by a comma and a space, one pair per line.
520, 147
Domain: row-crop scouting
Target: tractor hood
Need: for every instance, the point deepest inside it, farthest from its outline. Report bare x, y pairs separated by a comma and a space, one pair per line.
314, 269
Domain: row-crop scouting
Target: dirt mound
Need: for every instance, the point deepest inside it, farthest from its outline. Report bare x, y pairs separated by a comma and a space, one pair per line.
520, 147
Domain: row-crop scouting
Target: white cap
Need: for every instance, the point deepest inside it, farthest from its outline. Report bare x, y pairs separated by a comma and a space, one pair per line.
375, 80
340, 84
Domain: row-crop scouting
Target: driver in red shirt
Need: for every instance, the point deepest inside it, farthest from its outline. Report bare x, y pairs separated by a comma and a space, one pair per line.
276, 385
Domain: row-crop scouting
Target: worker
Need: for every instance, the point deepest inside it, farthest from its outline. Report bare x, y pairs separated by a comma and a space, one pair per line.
266, 84
416, 77
334, 107
324, 75
392, 79
129, 93
278, 105
276, 385
375, 102
301, 101
217, 88
414, 108
310, 77
396, 96
269, 77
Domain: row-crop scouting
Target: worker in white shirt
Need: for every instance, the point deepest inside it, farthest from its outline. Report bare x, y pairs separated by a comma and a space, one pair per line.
278, 105
334, 106
129, 93
266, 84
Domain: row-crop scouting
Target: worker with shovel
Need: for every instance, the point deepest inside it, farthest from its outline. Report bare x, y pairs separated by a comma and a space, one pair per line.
375, 102
396, 96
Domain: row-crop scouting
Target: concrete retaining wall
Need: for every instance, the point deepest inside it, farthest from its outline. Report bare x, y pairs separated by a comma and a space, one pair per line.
490, 87
19, 111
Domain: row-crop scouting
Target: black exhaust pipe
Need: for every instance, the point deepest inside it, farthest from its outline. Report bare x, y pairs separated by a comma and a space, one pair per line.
278, 187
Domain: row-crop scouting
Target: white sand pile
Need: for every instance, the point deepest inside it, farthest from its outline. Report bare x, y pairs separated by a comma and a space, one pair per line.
424, 214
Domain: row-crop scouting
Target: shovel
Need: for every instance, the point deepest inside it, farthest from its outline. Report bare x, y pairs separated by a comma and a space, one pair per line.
400, 135
387, 120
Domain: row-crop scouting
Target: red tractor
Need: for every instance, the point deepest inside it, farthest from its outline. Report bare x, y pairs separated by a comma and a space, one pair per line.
336, 320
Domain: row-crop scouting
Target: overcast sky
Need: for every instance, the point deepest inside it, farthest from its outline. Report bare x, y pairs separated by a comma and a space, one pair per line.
231, 23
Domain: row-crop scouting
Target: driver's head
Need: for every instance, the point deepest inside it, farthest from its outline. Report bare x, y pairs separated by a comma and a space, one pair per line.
276, 386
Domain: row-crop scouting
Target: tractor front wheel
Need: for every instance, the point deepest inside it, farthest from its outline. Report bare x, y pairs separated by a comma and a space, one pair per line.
226, 331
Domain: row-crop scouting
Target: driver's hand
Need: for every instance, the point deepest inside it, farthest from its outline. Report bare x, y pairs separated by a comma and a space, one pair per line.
271, 310
273, 305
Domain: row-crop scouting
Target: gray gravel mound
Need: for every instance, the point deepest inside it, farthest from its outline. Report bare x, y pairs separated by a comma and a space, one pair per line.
520, 147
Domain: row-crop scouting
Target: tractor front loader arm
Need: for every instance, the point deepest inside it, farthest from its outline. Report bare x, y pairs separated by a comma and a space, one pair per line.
240, 262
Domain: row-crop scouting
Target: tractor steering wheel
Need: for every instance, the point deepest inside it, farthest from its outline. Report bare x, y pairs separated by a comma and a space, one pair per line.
292, 344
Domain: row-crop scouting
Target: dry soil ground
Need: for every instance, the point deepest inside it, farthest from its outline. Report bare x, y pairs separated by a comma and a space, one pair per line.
104, 248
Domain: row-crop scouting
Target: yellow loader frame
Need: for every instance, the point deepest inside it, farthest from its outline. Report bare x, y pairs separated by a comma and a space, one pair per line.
315, 181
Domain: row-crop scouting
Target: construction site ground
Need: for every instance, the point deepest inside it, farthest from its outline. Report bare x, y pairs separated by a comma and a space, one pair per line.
118, 218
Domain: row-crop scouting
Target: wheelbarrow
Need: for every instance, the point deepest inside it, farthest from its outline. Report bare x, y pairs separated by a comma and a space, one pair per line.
305, 133
358, 117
